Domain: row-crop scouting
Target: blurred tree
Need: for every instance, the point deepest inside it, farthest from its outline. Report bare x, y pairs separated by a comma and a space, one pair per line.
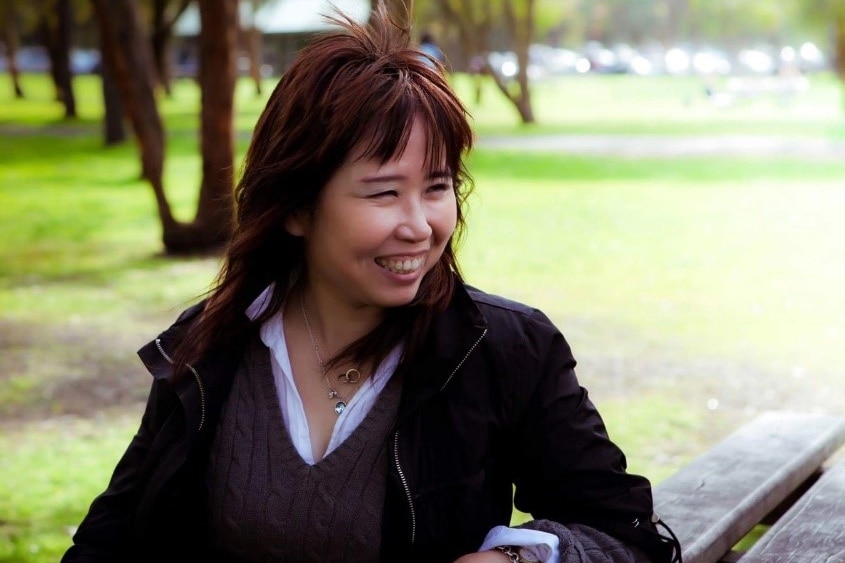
557, 21
164, 14
612, 21
217, 74
114, 132
727, 23
829, 15
839, 40
674, 14
56, 24
10, 37
49, 23
734, 24
251, 39
475, 20
128, 54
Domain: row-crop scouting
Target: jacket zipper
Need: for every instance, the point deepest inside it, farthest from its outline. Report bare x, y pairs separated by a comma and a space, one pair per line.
196, 378
405, 486
457, 367
402, 477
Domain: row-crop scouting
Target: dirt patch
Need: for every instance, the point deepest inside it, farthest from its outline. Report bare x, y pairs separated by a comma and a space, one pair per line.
49, 371
81, 370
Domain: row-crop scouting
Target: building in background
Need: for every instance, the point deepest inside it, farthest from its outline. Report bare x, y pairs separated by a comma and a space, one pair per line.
284, 25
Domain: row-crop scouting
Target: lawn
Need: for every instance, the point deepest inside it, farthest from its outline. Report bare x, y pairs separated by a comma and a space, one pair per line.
695, 292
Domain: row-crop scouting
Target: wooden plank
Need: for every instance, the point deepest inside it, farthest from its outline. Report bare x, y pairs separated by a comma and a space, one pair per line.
813, 530
715, 500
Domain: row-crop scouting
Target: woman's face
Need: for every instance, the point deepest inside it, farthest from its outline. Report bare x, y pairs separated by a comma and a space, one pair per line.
378, 228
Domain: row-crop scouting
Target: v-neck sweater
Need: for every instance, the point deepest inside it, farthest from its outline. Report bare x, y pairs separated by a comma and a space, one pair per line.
267, 504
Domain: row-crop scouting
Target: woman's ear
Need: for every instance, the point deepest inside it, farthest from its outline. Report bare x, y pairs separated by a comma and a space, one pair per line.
296, 223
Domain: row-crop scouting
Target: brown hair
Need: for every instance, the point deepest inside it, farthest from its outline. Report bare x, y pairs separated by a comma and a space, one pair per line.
349, 85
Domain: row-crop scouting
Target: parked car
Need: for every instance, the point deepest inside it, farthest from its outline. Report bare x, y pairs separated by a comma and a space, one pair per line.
32, 59
756, 61
84, 61
543, 61
36, 59
556, 61
503, 63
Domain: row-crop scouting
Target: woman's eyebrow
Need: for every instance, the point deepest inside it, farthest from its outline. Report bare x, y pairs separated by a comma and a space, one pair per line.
378, 178
382, 178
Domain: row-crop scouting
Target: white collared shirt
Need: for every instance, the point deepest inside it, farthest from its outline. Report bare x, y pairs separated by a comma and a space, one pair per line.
542, 545
293, 411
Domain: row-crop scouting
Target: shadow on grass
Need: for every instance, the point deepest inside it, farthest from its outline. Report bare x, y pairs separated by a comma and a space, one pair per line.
92, 268
56, 370
70, 347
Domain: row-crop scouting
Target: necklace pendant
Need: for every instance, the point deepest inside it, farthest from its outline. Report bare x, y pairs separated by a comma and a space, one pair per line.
351, 376
339, 407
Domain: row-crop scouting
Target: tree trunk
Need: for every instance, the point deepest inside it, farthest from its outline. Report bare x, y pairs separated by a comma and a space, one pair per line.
113, 130
10, 38
126, 52
56, 28
214, 219
217, 73
250, 41
474, 28
840, 46
839, 57
159, 39
522, 30
162, 32
678, 13
253, 39
48, 37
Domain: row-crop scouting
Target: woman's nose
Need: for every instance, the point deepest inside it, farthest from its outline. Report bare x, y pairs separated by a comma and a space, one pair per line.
414, 224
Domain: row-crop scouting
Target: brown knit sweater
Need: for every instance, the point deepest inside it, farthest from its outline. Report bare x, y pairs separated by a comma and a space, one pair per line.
267, 504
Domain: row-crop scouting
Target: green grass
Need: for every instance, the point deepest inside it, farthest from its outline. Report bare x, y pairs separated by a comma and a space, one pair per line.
45, 468
672, 279
731, 258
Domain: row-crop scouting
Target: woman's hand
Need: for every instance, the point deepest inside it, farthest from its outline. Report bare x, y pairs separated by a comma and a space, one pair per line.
492, 556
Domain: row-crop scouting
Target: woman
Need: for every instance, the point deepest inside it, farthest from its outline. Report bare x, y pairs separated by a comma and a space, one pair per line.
341, 394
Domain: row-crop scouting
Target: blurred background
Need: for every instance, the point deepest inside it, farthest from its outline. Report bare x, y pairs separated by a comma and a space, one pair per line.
664, 178
749, 42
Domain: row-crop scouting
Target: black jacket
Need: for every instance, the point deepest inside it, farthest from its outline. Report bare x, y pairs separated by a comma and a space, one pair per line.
494, 404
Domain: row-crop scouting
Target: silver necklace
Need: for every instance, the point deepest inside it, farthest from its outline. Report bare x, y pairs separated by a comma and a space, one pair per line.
351, 376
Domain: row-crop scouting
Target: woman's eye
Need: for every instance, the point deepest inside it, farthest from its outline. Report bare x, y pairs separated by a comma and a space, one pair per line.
383, 194
439, 188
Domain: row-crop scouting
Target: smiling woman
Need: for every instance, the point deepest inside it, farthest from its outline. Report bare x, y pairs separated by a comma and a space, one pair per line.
342, 394
378, 230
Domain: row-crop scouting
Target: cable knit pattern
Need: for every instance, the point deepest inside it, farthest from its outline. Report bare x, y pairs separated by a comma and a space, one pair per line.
267, 504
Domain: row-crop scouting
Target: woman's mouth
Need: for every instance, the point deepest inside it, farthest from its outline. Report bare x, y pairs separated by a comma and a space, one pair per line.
400, 265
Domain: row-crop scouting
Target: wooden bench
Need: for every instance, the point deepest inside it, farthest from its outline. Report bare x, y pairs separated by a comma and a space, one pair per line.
813, 529
772, 470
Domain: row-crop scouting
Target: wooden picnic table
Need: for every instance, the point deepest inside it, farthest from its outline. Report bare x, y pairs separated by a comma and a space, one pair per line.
782, 470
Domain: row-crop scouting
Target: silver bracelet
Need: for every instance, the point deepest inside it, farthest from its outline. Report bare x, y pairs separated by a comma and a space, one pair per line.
510, 551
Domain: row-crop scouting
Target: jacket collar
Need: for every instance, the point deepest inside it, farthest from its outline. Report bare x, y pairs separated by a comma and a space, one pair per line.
454, 336
157, 354
203, 388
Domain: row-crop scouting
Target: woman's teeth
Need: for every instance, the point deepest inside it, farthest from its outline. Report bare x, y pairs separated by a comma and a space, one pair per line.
400, 266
